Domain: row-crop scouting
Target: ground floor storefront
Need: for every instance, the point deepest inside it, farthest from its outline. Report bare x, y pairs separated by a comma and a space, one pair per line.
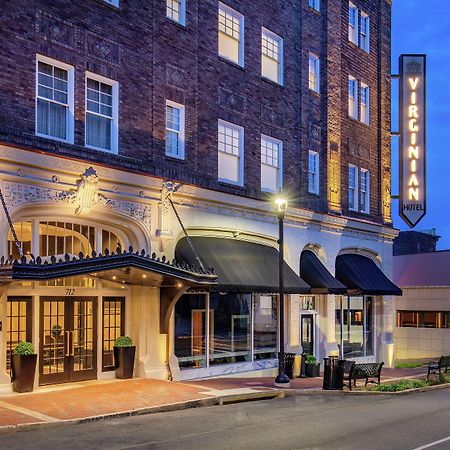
104, 255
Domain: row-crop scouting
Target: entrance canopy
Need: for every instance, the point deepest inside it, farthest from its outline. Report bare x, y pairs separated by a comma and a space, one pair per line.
128, 268
363, 277
241, 266
317, 275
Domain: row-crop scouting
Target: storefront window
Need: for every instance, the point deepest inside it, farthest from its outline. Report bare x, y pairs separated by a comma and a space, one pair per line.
423, 319
265, 326
407, 319
354, 326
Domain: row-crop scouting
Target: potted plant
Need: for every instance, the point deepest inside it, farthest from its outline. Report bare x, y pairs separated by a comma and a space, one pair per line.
124, 352
312, 368
23, 364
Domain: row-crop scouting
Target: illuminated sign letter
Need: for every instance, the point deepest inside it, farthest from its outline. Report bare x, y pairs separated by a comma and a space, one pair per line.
412, 204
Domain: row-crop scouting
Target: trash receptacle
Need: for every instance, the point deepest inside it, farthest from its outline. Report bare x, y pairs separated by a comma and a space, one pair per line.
289, 364
302, 366
333, 373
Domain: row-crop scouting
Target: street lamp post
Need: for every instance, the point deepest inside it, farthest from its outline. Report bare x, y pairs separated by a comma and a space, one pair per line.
282, 379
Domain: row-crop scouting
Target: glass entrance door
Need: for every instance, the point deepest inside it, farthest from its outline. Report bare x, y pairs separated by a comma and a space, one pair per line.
68, 339
307, 333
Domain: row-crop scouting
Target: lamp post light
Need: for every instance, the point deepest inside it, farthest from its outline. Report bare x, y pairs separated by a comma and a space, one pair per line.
282, 380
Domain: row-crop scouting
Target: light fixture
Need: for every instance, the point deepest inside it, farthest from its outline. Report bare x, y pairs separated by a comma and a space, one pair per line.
179, 285
114, 277
281, 203
144, 276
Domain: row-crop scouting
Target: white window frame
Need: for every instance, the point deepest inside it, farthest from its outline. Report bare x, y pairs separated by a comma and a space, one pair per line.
181, 133
364, 107
353, 27
314, 61
353, 207
314, 188
365, 192
279, 162
70, 116
314, 4
115, 114
240, 17
353, 95
182, 13
279, 39
364, 38
240, 129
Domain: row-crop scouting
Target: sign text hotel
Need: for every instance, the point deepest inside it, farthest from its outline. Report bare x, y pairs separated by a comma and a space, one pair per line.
412, 138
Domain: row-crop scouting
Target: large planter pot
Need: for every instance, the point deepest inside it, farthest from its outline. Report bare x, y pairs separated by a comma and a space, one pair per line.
124, 361
23, 370
312, 370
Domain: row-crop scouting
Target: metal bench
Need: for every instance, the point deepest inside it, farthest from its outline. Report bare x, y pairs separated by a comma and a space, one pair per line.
363, 371
436, 367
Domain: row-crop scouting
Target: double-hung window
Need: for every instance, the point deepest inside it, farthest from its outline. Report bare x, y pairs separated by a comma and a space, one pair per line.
364, 191
353, 23
230, 153
54, 99
102, 115
271, 164
364, 37
314, 4
353, 97
314, 73
364, 104
174, 130
352, 187
231, 34
272, 56
313, 173
176, 11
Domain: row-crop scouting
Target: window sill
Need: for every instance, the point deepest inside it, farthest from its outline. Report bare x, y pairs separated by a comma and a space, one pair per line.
99, 149
314, 10
358, 121
180, 25
110, 5
175, 158
274, 83
226, 183
52, 138
231, 62
314, 93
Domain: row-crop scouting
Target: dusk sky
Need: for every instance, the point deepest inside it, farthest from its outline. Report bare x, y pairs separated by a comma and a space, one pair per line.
420, 26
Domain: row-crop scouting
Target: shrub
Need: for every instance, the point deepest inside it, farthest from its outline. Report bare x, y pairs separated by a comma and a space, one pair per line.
311, 359
24, 349
123, 341
401, 385
408, 365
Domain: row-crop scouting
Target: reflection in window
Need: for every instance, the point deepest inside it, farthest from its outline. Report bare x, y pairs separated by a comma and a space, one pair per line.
265, 326
354, 326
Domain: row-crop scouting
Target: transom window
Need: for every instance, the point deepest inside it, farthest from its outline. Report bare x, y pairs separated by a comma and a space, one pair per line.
176, 10
101, 113
313, 173
230, 149
54, 100
272, 56
271, 158
231, 27
174, 130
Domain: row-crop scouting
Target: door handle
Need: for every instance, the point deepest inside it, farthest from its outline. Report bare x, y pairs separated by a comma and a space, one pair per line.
72, 347
66, 343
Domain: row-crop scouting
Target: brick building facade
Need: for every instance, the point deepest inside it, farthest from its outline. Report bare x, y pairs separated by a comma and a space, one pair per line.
152, 59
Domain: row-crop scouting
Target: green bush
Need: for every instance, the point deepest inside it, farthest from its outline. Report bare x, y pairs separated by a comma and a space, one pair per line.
311, 359
123, 341
408, 365
24, 349
401, 385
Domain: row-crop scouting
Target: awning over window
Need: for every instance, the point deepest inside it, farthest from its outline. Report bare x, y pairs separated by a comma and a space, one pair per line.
317, 275
362, 276
241, 266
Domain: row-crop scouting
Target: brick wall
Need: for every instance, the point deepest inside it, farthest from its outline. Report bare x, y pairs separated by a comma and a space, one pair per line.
155, 59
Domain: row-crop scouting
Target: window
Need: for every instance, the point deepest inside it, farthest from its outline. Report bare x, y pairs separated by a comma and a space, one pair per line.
271, 164
174, 130
353, 187
23, 233
365, 104
352, 97
354, 326
364, 40
314, 73
54, 100
102, 113
423, 319
353, 23
314, 4
364, 193
231, 34
113, 2
313, 173
113, 327
176, 11
231, 155
272, 56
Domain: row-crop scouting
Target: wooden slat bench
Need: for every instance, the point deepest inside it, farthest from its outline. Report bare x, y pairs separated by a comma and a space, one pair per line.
436, 367
362, 371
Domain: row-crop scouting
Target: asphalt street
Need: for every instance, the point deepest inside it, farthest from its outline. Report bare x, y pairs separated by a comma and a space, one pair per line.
327, 421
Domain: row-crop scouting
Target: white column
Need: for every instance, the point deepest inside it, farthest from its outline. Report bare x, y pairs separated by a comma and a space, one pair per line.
331, 346
293, 323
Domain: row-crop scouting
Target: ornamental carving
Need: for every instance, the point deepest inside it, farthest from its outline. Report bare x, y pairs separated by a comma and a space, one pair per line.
176, 77
101, 48
55, 30
230, 100
272, 117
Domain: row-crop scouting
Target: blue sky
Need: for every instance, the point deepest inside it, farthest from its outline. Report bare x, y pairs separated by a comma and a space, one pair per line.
422, 26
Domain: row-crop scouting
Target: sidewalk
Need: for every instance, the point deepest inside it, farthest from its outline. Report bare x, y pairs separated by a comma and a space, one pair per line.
92, 400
